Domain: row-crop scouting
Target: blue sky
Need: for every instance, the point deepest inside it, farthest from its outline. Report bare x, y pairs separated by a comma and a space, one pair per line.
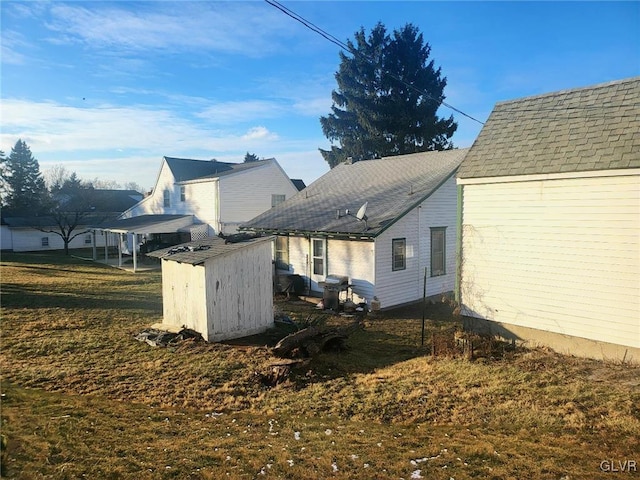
108, 88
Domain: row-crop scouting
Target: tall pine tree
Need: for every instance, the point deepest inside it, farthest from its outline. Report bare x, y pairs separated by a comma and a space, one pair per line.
26, 191
387, 98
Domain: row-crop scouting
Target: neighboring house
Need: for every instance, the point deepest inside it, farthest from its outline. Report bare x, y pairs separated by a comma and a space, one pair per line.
221, 290
23, 234
409, 226
550, 250
218, 194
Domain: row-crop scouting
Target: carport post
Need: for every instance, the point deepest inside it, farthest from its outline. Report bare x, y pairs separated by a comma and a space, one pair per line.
120, 249
135, 253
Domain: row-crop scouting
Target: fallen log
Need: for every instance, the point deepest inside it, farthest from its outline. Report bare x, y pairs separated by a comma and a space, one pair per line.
312, 340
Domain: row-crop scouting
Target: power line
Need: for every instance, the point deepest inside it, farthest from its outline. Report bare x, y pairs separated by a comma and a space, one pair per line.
342, 45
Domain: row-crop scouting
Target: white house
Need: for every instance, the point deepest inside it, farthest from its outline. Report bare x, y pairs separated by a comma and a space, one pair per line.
38, 233
550, 244
221, 290
220, 195
409, 225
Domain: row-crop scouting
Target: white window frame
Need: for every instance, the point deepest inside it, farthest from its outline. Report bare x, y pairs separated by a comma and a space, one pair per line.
398, 252
277, 199
438, 252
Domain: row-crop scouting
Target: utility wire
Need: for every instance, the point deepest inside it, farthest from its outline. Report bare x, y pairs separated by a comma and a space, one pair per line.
346, 47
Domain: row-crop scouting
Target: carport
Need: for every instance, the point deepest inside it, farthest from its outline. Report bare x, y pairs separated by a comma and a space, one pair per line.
130, 230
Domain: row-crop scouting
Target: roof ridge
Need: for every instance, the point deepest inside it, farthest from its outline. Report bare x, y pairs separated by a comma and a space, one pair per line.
568, 90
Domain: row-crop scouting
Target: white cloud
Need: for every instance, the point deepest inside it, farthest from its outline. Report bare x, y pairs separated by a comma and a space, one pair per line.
259, 133
247, 28
126, 143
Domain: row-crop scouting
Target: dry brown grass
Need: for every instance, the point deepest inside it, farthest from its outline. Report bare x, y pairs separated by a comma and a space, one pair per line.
83, 398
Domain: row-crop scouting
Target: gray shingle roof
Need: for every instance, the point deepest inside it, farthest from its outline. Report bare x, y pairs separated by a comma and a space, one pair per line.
583, 129
197, 252
392, 186
186, 169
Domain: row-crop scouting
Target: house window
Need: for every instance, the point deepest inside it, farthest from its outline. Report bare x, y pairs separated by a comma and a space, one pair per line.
87, 239
318, 256
183, 193
277, 199
167, 198
45, 241
399, 252
438, 251
282, 253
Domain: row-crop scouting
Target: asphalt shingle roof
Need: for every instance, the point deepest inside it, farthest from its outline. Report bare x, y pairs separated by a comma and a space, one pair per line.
583, 129
197, 252
186, 169
392, 186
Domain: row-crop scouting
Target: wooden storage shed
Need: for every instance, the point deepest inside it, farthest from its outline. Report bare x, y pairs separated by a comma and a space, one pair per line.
221, 289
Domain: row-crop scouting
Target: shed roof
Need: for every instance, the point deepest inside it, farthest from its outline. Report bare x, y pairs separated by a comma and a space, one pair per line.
197, 252
392, 186
583, 129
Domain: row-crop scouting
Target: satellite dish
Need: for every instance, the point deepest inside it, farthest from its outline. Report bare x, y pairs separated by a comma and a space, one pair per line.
362, 213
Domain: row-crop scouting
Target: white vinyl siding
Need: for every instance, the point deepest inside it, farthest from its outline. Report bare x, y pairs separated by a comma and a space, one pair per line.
557, 255
344, 257
30, 240
354, 259
246, 194
404, 286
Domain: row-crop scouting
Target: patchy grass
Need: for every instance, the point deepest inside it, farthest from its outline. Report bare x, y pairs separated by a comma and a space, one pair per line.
83, 398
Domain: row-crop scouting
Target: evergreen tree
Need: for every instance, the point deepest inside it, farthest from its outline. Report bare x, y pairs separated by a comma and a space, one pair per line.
27, 193
4, 185
387, 98
251, 157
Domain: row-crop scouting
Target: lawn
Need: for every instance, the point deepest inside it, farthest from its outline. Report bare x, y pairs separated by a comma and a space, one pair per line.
81, 398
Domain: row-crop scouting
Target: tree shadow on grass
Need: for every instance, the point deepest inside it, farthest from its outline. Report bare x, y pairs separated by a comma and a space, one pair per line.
18, 295
386, 338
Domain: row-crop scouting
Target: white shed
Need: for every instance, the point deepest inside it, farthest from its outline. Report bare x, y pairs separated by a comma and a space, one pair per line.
220, 289
550, 241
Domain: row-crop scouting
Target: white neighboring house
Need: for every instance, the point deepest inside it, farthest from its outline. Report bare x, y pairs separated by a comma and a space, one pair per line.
24, 234
551, 222
219, 195
410, 225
